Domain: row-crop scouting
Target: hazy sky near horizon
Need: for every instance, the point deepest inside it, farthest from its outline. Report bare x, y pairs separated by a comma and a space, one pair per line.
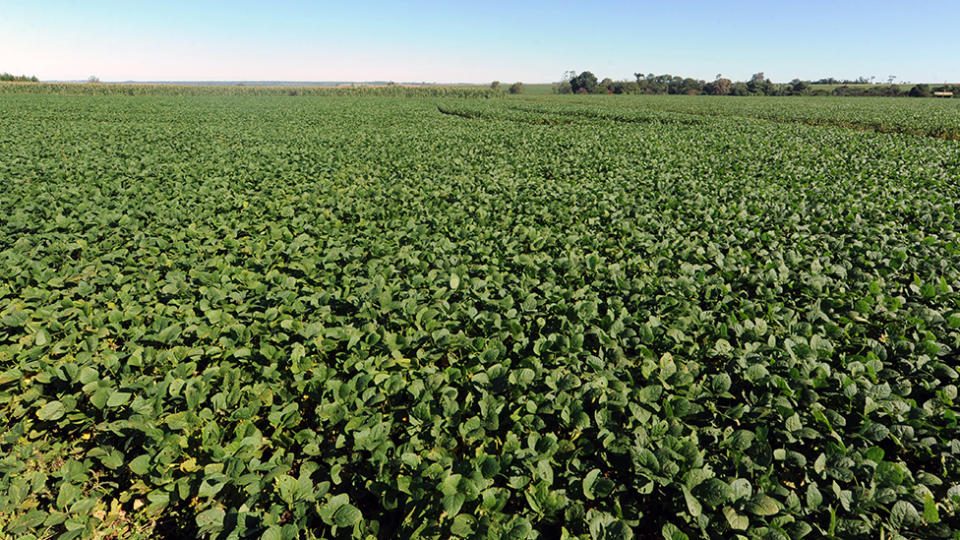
434, 41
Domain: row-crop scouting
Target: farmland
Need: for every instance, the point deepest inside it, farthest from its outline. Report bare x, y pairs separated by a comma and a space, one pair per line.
439, 316
926, 117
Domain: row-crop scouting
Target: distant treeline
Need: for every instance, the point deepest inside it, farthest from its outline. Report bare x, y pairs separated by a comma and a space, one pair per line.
219, 90
758, 85
9, 77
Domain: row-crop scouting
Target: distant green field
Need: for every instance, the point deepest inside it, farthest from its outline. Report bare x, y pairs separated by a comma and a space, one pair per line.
538, 88
110, 89
910, 116
546, 88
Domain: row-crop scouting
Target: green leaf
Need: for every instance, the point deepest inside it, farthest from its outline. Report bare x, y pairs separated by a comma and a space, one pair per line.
463, 525
451, 484
875, 454
814, 497
671, 532
169, 334
210, 486
118, 398
177, 421
347, 515
617, 530
10, 375
742, 439
904, 515
53, 410
454, 281
159, 499
930, 512
211, 520
88, 375
714, 492
275, 532
288, 487
67, 496
16, 319
722, 347
720, 383
588, 481
741, 489
521, 528
489, 467
693, 506
113, 460
763, 505
452, 503
799, 529
329, 510
140, 464
820, 464
736, 521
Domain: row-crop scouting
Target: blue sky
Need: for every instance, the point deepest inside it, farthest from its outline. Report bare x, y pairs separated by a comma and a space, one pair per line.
476, 42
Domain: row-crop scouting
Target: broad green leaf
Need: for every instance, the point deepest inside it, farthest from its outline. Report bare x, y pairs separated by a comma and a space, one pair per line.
930, 512
736, 521
53, 410
347, 515
140, 464
693, 505
463, 525
814, 497
904, 515
211, 520
588, 482
763, 505
10, 375
452, 503
671, 532
118, 398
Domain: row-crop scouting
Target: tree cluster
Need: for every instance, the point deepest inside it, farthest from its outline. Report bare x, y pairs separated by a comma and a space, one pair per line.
586, 83
9, 77
515, 88
858, 80
758, 85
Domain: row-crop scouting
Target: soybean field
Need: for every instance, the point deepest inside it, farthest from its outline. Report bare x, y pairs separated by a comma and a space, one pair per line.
460, 314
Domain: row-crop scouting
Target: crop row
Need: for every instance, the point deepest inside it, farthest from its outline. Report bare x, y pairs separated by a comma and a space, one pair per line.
938, 118
138, 89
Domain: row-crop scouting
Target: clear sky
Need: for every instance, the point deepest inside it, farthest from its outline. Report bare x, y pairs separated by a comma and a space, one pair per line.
434, 41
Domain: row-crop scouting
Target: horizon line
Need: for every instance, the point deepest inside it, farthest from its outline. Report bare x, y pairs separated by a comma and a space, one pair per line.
384, 82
